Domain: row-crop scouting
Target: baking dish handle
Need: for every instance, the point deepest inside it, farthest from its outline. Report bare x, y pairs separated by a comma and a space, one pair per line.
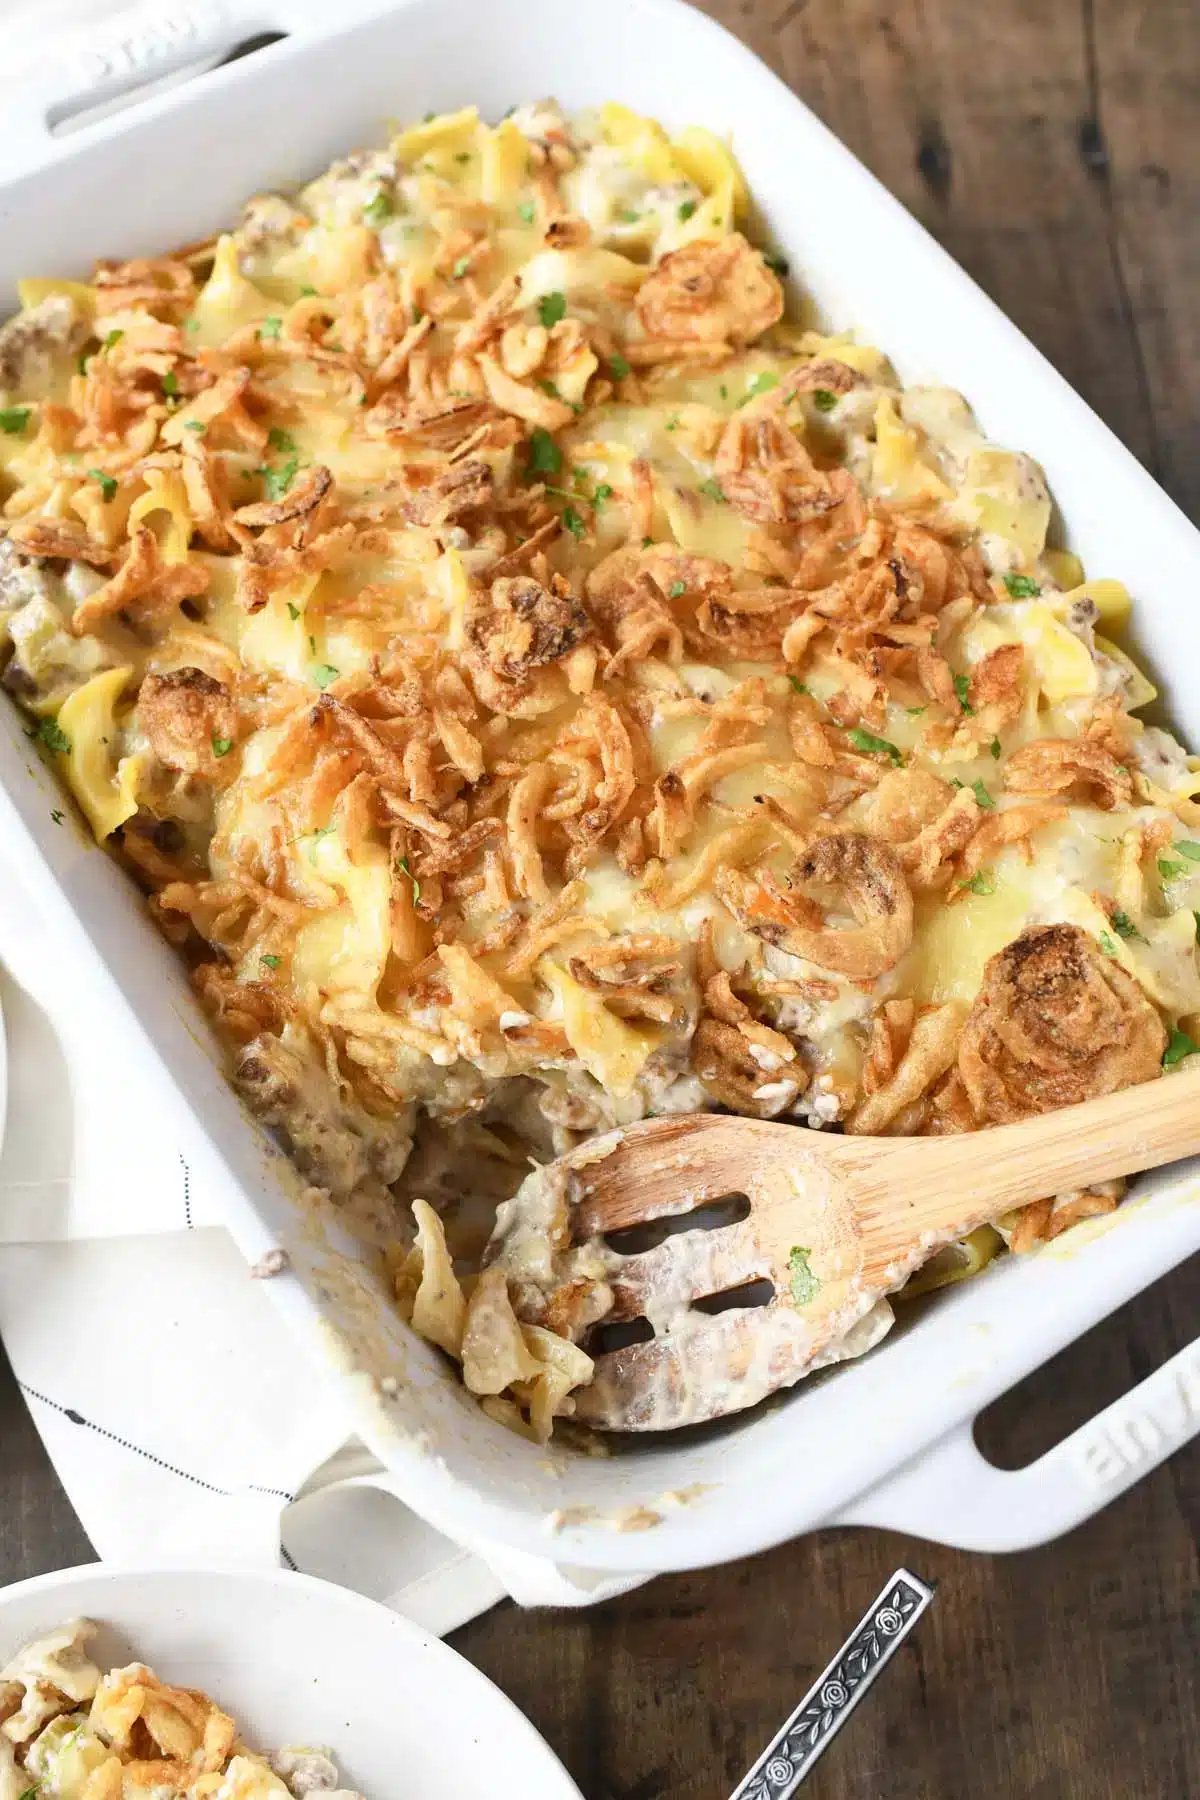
953, 1495
69, 78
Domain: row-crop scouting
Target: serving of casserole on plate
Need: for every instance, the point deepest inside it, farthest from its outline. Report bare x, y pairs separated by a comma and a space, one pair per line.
539, 683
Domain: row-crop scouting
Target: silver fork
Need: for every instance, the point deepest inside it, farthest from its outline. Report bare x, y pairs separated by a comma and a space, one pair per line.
794, 1749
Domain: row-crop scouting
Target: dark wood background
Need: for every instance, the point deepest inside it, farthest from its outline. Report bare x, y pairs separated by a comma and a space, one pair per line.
1054, 147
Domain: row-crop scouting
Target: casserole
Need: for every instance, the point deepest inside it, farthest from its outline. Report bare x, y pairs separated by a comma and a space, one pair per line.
710, 1499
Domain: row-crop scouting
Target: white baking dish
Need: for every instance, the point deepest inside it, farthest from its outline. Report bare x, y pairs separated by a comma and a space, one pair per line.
887, 1440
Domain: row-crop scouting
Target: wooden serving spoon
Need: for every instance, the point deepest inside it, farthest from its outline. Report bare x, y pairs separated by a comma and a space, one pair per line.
833, 1223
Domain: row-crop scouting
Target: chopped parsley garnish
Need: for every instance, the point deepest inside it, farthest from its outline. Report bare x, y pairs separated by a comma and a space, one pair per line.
687, 208
548, 387
1124, 927
618, 368
14, 419
676, 590
962, 687
281, 440
824, 399
552, 308
404, 868
994, 747
982, 883
108, 484
762, 383
984, 798
312, 645
192, 325
196, 425
646, 542
58, 818
602, 493
1170, 871
801, 687
114, 337
526, 211
51, 733
1180, 1045
270, 328
1189, 849
572, 521
712, 488
277, 481
459, 267
778, 264
914, 712
85, 357
221, 746
293, 611
1108, 944
462, 156
1021, 587
378, 207
270, 962
803, 1283
870, 745
672, 424
627, 215
545, 457
324, 673
307, 291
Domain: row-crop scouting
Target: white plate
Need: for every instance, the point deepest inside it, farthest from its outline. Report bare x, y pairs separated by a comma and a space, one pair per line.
299, 1661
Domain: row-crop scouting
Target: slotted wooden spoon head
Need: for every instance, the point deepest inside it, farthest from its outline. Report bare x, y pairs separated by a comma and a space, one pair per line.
799, 1234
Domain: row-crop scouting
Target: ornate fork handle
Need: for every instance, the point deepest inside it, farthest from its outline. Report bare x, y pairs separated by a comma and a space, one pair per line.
835, 1693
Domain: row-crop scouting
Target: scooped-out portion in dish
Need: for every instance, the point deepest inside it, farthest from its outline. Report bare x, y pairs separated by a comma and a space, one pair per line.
69, 1729
539, 683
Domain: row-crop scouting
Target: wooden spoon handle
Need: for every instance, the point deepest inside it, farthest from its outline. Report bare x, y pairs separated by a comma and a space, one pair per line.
948, 1186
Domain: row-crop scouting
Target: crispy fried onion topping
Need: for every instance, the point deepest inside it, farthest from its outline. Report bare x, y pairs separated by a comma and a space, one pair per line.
144, 589
191, 722
522, 644
1055, 1022
858, 875
711, 291
1076, 767
910, 1050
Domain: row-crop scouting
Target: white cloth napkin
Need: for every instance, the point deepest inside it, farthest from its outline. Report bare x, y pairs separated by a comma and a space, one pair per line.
183, 1422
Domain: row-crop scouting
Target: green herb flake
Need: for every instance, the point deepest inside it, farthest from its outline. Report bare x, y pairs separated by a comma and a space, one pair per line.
378, 208
281, 440
776, 263
403, 866
293, 611
221, 745
526, 211
982, 883
803, 1283
962, 687
627, 215
712, 489
1180, 1045
114, 337
801, 687
545, 457
677, 590
324, 673
191, 325
270, 962
870, 745
58, 818
1189, 849
270, 328
459, 267
277, 481
1171, 871
1124, 927
14, 419
572, 522
914, 712
170, 384
196, 425
85, 357
602, 493
307, 291
762, 383
618, 368
552, 308
51, 733
672, 423
108, 484
1108, 944
686, 209
984, 798
646, 542
1021, 587
824, 399
994, 747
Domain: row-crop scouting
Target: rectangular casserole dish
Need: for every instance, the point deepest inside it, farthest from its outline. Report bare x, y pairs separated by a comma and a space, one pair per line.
886, 1440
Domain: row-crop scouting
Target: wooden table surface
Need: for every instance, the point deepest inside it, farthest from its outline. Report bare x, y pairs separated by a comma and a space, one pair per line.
1054, 147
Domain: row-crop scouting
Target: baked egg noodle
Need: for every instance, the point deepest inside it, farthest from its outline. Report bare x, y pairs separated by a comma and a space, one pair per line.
74, 1731
539, 684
